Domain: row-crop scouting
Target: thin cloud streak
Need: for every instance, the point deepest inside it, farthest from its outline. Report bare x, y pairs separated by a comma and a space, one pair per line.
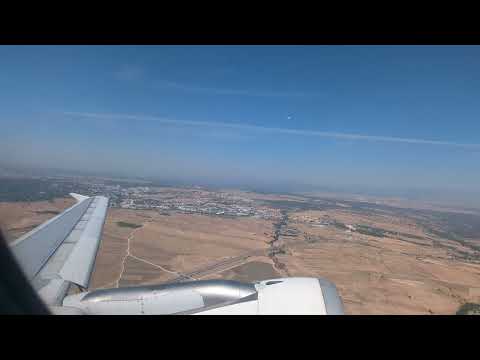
256, 128
130, 73
240, 92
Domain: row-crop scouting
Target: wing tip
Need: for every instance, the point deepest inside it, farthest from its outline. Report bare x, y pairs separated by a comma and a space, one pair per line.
78, 197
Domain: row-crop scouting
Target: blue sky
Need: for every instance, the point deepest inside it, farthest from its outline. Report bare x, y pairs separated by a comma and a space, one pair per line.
376, 116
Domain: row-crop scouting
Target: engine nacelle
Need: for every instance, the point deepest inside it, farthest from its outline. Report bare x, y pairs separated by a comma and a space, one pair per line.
275, 296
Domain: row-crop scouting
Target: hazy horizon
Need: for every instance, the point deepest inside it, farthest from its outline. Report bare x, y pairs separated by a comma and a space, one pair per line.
440, 196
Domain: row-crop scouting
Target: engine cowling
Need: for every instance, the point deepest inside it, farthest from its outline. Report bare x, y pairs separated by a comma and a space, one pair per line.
275, 296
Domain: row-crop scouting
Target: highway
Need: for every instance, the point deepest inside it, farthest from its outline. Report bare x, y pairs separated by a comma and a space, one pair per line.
235, 261
219, 266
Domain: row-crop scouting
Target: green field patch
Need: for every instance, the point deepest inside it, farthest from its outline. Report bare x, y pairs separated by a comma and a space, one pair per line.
128, 225
469, 309
369, 230
49, 212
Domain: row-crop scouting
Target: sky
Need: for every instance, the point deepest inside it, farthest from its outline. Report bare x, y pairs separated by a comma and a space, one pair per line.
378, 117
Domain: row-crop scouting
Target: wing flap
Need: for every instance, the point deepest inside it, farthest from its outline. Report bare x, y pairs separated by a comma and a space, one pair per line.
79, 265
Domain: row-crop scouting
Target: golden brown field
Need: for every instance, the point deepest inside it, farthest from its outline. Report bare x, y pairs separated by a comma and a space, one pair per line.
406, 271
165, 247
382, 275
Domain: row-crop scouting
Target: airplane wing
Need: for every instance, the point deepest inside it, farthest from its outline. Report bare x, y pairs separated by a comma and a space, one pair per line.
62, 251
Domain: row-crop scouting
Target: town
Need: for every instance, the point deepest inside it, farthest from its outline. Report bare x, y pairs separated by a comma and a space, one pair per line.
141, 196
220, 203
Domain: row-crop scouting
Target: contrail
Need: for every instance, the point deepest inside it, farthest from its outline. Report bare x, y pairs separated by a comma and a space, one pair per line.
257, 128
240, 92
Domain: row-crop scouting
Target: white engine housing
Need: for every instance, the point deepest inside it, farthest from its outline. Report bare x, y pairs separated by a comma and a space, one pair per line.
284, 296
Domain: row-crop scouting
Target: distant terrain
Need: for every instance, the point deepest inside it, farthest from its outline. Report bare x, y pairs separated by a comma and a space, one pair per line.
18, 218
384, 257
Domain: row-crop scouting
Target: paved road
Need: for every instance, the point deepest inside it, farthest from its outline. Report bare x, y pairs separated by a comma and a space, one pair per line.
225, 264
219, 266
